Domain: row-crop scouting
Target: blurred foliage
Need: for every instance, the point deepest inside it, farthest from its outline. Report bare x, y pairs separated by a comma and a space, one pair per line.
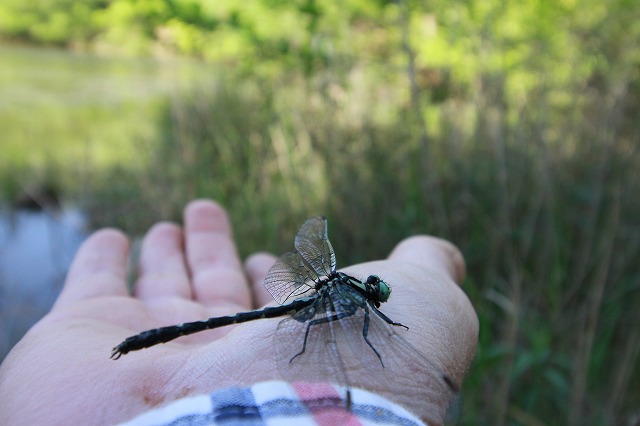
463, 37
509, 128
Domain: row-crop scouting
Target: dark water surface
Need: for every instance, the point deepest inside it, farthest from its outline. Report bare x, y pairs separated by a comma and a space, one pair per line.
36, 249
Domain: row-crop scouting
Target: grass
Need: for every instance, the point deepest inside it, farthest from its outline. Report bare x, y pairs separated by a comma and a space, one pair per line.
541, 197
66, 115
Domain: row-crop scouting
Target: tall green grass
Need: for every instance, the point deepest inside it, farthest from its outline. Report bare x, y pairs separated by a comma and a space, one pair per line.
544, 207
541, 197
64, 116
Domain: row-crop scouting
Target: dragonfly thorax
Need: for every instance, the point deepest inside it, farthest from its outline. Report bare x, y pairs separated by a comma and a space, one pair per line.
373, 289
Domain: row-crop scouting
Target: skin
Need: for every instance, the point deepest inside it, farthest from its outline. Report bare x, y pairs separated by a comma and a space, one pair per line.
60, 372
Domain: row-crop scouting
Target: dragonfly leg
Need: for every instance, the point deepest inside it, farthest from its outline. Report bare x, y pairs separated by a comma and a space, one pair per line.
304, 344
386, 318
317, 322
365, 332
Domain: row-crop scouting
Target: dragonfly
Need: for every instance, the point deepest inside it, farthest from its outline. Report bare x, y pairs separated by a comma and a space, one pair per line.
334, 324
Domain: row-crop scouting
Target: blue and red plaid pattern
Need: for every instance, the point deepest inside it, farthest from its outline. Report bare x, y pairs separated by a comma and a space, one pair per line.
280, 403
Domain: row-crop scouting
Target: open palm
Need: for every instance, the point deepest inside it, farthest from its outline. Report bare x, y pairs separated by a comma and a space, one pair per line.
193, 274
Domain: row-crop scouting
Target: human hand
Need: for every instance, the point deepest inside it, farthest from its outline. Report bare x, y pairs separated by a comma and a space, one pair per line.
60, 372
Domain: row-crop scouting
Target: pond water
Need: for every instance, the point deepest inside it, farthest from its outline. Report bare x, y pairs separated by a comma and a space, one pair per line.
36, 249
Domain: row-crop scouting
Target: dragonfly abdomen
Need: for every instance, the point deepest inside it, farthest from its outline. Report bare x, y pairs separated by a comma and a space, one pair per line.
153, 337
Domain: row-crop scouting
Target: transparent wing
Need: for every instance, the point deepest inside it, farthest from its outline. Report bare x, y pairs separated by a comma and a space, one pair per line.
337, 352
321, 360
312, 242
289, 278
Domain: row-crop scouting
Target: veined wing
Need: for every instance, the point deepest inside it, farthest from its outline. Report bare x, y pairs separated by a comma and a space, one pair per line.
308, 344
312, 242
289, 278
336, 351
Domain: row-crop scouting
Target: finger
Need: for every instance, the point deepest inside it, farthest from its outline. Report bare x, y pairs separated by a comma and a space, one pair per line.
440, 316
216, 272
162, 269
98, 269
433, 253
256, 267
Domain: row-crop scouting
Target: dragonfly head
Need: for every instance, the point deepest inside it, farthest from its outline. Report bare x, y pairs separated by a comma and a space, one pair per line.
379, 288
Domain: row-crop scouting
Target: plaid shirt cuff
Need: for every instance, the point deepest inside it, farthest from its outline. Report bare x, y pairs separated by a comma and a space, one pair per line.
280, 403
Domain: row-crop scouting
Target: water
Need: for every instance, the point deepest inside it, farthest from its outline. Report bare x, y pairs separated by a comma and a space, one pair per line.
36, 249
